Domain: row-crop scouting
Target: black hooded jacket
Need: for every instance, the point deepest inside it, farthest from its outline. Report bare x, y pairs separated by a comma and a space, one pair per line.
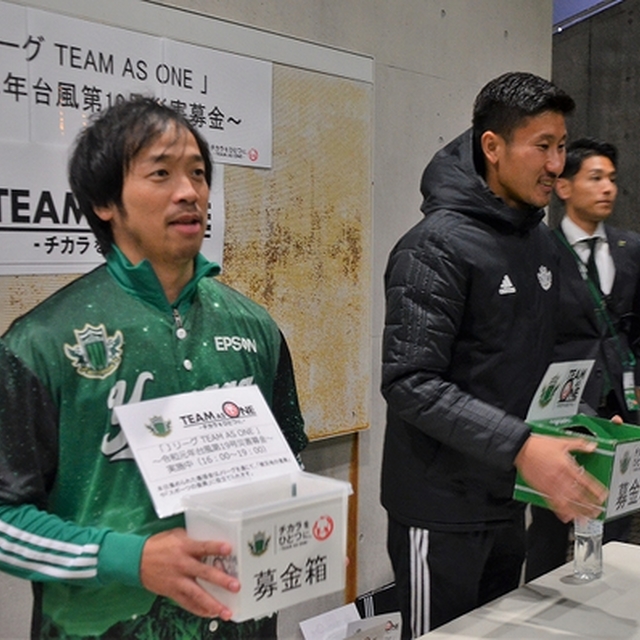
471, 301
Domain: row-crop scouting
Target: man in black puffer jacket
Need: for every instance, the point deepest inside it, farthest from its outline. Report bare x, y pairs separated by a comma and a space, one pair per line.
471, 300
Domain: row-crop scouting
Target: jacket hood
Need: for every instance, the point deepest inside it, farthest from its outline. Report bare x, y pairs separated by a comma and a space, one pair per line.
451, 181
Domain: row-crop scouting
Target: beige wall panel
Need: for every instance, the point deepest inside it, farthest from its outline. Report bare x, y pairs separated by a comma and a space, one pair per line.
298, 241
18, 294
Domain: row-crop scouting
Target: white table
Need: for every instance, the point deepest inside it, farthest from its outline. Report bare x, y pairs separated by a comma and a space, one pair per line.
555, 606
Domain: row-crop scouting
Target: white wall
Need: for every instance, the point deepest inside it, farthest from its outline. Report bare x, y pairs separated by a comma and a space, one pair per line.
431, 58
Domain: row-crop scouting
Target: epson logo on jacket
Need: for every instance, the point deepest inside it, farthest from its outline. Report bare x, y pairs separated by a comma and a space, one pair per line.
235, 343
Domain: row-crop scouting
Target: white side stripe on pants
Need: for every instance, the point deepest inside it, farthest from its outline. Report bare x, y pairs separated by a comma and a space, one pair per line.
419, 581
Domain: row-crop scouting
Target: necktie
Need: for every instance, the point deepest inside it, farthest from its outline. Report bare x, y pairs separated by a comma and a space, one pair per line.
592, 272
592, 269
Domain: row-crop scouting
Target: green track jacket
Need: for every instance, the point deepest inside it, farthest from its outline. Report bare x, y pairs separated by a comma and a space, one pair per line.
74, 510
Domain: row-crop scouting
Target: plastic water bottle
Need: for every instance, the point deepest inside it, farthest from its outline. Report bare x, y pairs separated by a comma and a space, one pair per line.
587, 557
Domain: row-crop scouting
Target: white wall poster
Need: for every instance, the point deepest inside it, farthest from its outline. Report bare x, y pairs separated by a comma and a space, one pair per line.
56, 72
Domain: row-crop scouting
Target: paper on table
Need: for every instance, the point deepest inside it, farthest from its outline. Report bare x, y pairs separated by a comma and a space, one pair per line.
331, 625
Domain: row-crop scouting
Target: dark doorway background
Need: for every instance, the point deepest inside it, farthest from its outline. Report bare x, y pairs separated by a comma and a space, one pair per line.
597, 61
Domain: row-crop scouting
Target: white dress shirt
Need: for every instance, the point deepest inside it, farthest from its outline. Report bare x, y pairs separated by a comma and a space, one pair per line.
575, 235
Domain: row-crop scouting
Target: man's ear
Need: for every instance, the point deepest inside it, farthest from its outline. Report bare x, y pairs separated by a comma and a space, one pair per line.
105, 213
563, 188
491, 144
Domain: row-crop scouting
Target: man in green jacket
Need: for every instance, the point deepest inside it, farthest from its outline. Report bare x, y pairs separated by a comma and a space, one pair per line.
75, 515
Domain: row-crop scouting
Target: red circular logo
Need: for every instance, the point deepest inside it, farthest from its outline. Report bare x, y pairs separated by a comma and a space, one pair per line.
253, 154
323, 527
231, 409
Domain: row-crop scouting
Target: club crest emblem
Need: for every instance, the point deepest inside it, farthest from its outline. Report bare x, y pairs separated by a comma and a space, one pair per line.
625, 461
548, 391
260, 543
159, 426
95, 354
545, 278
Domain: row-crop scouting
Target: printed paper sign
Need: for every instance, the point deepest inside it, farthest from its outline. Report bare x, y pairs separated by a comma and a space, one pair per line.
198, 441
560, 390
58, 73
41, 229
624, 487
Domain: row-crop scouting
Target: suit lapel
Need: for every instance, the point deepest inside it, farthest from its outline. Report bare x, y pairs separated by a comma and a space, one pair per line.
575, 284
617, 245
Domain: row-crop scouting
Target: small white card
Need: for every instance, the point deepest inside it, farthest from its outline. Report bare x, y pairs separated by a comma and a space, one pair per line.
385, 626
194, 442
560, 390
331, 625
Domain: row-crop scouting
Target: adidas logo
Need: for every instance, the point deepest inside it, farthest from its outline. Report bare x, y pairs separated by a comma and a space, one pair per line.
506, 286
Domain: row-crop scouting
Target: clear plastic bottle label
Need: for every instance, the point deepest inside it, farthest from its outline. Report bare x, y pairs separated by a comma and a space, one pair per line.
587, 560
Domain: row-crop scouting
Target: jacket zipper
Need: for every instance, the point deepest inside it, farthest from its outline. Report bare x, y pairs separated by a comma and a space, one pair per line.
180, 330
176, 318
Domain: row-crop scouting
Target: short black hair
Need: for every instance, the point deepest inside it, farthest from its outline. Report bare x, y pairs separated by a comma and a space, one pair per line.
105, 149
579, 150
504, 102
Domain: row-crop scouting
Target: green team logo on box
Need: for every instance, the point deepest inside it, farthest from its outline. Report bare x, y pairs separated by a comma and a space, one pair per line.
159, 426
547, 392
260, 543
95, 355
625, 461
